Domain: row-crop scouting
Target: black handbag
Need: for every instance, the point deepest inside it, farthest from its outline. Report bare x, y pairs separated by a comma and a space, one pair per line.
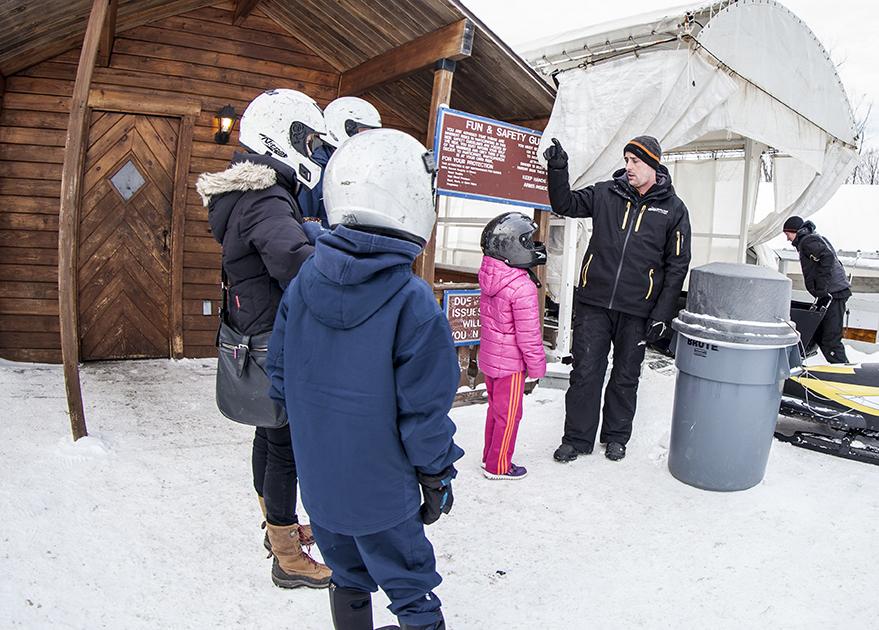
242, 382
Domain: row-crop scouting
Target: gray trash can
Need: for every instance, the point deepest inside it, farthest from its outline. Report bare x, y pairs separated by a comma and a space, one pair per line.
735, 348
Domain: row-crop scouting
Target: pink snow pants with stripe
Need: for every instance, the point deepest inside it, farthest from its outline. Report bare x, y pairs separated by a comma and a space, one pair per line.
502, 420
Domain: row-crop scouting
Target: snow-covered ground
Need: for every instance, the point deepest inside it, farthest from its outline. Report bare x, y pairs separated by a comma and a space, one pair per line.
151, 522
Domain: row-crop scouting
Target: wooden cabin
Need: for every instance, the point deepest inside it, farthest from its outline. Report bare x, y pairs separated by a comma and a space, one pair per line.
108, 115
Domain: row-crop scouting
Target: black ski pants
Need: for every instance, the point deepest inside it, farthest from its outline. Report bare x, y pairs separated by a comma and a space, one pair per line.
274, 474
829, 332
595, 330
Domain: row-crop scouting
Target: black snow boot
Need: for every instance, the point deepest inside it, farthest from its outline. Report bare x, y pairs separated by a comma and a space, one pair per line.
352, 609
615, 451
567, 453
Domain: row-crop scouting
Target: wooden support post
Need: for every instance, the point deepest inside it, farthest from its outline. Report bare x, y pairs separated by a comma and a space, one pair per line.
68, 214
108, 33
443, 75
542, 219
453, 42
442, 94
2, 90
243, 8
178, 230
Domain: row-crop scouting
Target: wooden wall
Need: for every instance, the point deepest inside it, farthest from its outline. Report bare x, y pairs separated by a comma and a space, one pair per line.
197, 54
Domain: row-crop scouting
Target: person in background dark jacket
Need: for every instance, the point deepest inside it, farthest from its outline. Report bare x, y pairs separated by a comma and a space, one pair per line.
345, 117
825, 279
627, 290
363, 358
253, 214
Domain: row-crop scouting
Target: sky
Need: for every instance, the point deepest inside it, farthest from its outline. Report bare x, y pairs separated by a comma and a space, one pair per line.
846, 28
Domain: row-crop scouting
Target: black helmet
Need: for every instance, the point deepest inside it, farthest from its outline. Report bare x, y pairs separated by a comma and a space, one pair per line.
508, 238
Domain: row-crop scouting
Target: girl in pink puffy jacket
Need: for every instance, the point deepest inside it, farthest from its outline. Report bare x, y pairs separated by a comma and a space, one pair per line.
511, 342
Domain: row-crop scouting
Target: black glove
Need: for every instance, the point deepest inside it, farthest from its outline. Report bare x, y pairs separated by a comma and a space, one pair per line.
822, 302
437, 491
656, 330
555, 155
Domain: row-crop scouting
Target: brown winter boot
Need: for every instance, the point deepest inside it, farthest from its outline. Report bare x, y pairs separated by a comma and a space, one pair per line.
293, 567
306, 537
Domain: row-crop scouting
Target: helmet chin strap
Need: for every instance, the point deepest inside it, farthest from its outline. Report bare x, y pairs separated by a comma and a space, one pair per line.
533, 277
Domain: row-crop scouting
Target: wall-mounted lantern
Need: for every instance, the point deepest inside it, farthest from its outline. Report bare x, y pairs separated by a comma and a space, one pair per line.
223, 123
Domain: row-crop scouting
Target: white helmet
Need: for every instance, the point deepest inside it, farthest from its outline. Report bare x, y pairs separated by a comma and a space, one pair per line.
346, 116
280, 123
384, 179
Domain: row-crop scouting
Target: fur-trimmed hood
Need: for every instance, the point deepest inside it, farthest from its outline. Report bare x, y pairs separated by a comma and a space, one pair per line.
239, 177
248, 173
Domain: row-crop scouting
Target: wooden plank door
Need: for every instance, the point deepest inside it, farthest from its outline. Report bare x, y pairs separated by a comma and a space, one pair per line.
124, 257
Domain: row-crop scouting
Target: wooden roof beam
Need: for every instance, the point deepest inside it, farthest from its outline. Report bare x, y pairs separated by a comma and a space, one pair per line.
243, 8
454, 42
108, 34
533, 123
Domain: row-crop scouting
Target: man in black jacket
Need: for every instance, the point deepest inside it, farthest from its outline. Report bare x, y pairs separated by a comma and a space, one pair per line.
825, 279
627, 290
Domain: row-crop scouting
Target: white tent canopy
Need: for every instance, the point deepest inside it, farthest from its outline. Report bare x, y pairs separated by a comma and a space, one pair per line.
718, 84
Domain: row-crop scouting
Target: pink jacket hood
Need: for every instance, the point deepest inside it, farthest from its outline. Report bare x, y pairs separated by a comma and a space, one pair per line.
511, 339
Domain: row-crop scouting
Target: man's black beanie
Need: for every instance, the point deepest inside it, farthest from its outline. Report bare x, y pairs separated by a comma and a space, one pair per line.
647, 149
793, 224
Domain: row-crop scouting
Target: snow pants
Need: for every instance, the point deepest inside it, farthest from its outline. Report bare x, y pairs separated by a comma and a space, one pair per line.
502, 420
274, 474
595, 330
829, 332
400, 560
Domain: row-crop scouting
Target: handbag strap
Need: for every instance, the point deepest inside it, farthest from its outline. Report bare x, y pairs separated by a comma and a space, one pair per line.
224, 307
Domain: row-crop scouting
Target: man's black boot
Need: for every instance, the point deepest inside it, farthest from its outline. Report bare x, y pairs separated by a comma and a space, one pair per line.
567, 453
615, 451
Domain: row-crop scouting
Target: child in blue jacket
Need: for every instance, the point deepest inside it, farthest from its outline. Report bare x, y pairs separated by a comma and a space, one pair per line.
363, 358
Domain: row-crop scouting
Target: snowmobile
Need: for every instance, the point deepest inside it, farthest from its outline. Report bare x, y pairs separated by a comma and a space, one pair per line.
842, 398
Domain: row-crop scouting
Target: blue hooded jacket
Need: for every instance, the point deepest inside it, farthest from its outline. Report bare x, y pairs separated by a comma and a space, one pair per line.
362, 357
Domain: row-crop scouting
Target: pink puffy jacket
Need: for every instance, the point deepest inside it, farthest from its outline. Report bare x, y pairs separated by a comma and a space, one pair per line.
511, 339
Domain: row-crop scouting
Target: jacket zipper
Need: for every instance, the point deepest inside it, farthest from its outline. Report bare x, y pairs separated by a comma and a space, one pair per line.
678, 248
622, 258
586, 270
640, 215
650, 288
